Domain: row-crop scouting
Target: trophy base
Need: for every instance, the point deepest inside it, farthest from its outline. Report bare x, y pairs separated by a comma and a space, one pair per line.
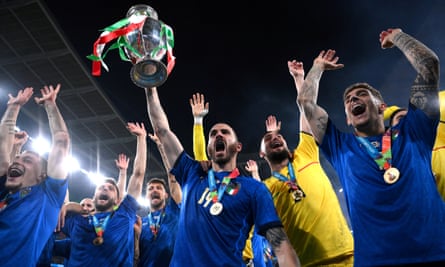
148, 73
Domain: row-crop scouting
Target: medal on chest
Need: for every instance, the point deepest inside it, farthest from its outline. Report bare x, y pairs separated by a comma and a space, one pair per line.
217, 194
295, 189
99, 228
384, 158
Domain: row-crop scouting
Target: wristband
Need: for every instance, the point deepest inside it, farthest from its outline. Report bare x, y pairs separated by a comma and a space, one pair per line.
198, 119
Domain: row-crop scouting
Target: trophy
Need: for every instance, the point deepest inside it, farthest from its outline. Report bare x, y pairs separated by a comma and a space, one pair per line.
141, 39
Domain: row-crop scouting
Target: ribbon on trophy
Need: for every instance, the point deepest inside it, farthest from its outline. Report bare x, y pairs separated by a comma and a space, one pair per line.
117, 31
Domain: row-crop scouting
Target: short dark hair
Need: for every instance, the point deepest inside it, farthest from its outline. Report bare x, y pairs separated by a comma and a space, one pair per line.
157, 180
374, 91
113, 182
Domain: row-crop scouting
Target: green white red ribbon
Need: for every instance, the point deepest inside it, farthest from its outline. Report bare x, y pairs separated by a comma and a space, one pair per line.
117, 31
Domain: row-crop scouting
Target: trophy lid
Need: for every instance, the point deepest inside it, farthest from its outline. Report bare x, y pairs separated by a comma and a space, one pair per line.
142, 9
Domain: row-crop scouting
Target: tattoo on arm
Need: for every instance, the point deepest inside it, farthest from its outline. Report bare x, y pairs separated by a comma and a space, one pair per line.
423, 59
276, 236
322, 121
426, 63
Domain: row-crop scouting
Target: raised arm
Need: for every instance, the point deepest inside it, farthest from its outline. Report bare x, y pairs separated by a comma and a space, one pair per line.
175, 188
424, 91
140, 160
8, 124
122, 162
272, 125
60, 137
296, 70
199, 110
252, 168
20, 139
159, 121
315, 115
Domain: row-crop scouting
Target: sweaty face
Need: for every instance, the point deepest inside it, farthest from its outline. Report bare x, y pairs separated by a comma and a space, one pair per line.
223, 144
156, 195
105, 197
26, 170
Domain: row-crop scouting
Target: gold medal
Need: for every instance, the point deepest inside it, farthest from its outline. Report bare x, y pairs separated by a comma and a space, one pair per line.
216, 208
391, 175
98, 241
297, 195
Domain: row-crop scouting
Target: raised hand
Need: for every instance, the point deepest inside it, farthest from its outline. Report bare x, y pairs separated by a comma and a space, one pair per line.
22, 96
20, 138
327, 60
136, 128
122, 162
49, 93
252, 168
198, 105
296, 69
386, 37
272, 124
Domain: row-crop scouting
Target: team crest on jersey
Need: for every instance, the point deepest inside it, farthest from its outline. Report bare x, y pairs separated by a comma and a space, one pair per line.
25, 191
233, 188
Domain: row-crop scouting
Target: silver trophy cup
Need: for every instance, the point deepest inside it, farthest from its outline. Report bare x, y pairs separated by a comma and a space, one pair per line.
149, 46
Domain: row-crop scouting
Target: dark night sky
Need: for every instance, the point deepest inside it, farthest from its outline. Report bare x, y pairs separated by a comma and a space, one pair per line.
236, 52
236, 55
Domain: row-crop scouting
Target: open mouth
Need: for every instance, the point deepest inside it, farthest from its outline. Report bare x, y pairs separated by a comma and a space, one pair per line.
155, 196
103, 197
219, 145
358, 109
275, 144
15, 171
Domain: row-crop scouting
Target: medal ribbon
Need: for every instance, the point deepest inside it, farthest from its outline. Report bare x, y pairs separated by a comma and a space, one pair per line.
155, 225
218, 194
292, 181
5, 201
384, 158
100, 227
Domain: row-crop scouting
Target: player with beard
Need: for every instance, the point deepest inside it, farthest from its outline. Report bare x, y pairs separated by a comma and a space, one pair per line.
396, 212
219, 207
32, 190
106, 238
160, 225
303, 194
305, 199
255, 243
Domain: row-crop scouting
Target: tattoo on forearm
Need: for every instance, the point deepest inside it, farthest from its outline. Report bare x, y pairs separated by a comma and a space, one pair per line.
276, 236
423, 59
